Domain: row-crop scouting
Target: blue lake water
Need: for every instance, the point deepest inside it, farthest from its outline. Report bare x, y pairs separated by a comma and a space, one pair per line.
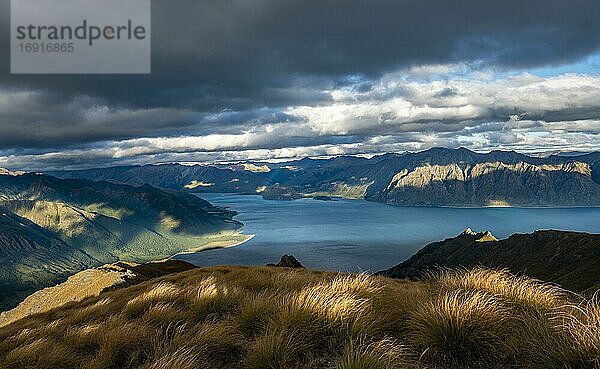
353, 235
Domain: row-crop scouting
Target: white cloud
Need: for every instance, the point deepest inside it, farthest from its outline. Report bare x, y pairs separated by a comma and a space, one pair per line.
398, 112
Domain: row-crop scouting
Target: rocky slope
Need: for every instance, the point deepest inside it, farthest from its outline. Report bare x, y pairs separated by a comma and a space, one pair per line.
569, 259
436, 177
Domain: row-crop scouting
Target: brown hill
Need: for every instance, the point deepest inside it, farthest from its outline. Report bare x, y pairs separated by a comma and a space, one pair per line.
89, 283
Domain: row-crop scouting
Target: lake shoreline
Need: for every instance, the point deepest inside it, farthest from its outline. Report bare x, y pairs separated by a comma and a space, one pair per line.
215, 247
336, 198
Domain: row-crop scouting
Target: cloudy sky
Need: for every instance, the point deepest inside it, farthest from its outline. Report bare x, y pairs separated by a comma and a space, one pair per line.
266, 79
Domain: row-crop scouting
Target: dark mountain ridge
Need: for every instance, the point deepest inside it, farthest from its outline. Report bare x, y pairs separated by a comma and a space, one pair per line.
569, 259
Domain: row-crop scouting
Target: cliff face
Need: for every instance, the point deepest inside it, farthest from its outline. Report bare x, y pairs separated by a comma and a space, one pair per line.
569, 259
493, 183
436, 177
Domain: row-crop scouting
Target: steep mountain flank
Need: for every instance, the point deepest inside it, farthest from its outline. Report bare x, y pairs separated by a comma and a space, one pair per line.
31, 257
493, 183
435, 177
55, 227
569, 259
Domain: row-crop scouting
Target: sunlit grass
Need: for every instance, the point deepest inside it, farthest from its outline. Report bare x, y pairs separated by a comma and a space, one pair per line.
459, 327
242, 317
521, 291
361, 354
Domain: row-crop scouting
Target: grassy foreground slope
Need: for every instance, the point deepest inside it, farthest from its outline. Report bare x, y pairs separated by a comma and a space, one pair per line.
249, 317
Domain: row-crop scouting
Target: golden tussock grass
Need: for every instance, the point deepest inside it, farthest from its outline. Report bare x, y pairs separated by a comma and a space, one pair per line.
457, 328
362, 354
523, 292
243, 317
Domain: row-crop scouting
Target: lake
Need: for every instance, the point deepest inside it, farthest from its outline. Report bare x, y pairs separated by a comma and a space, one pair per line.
354, 235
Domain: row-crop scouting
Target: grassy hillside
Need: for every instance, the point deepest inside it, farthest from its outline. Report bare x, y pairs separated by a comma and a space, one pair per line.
242, 317
91, 282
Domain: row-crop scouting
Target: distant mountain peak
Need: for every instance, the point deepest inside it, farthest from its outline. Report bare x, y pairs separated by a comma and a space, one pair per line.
486, 236
469, 232
6, 172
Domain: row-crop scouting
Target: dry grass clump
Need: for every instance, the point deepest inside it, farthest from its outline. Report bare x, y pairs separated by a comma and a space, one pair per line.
255, 313
571, 340
458, 328
327, 301
523, 292
583, 327
361, 354
274, 350
242, 317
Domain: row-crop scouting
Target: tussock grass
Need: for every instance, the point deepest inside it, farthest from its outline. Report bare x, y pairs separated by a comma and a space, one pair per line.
458, 328
275, 350
523, 292
242, 317
360, 354
255, 313
572, 340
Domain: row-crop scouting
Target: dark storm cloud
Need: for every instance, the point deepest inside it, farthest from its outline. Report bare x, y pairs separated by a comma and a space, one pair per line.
216, 54
237, 67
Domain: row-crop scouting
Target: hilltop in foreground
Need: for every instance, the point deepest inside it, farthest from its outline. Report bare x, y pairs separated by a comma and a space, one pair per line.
243, 317
569, 259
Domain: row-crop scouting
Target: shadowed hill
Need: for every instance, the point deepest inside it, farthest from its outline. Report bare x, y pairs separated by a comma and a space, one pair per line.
569, 259
31, 256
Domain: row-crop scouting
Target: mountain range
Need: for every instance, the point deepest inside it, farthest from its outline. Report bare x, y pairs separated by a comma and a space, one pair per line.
435, 177
51, 228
